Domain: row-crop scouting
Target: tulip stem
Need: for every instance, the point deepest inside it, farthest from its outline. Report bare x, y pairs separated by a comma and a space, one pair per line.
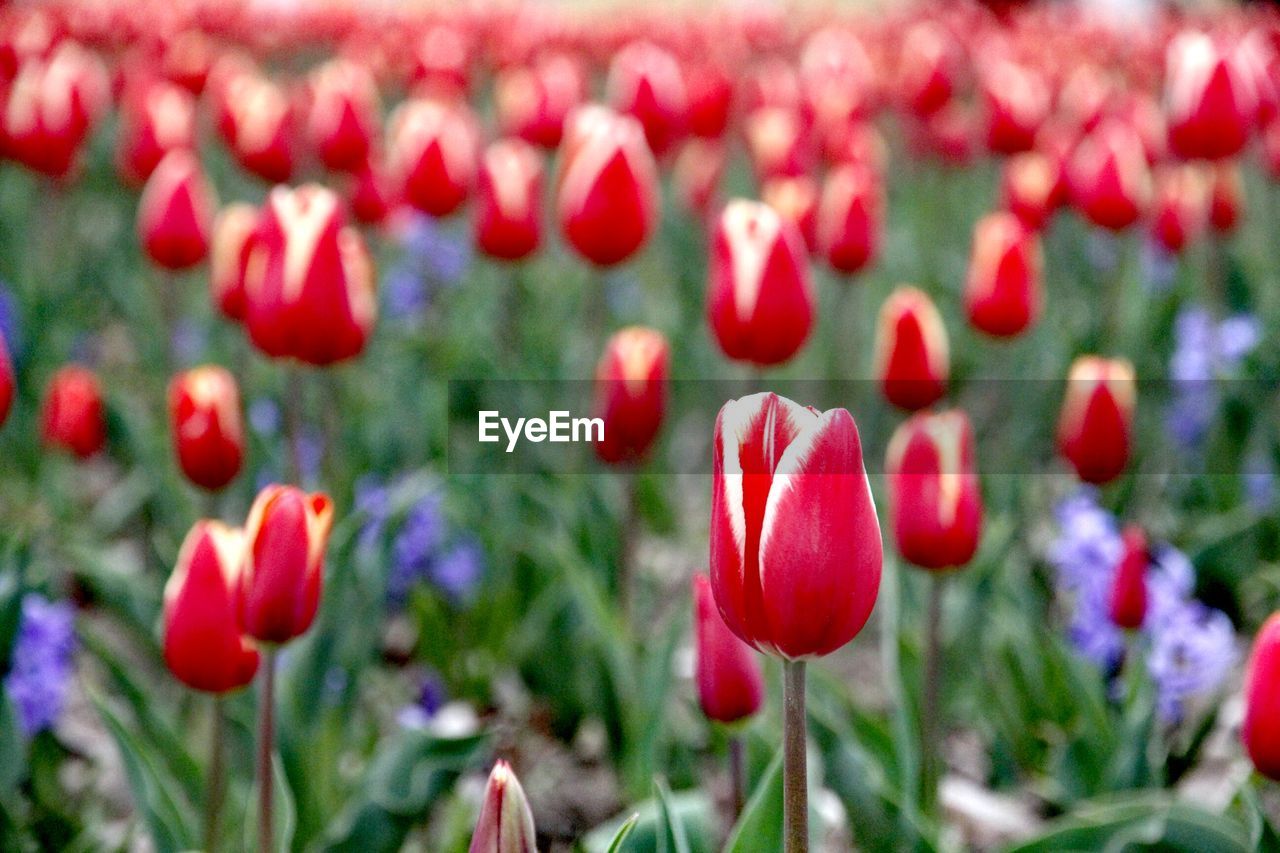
293, 421
217, 778
931, 730
737, 774
266, 734
795, 781
627, 548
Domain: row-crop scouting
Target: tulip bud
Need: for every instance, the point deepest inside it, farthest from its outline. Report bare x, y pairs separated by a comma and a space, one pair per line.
343, 119
1261, 729
1003, 289
1180, 209
155, 118
204, 414
285, 540
370, 194
309, 284
912, 357
51, 108
631, 393
175, 212
1226, 197
645, 82
262, 130
203, 646
697, 173
505, 824
795, 542
1097, 416
760, 299
533, 102
796, 201
927, 68
1109, 177
72, 417
434, 149
7, 381
507, 220
1017, 103
1129, 585
233, 233
607, 193
850, 218
711, 93
936, 503
1211, 99
730, 685
1029, 187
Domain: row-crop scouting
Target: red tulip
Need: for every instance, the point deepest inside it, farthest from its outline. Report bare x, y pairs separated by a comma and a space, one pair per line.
51, 108
175, 212
204, 415
156, 117
1003, 289
370, 194
1029, 187
646, 82
711, 94
233, 233
1260, 731
936, 502
1226, 197
607, 194
72, 417
1109, 177
1211, 98
850, 218
434, 151
730, 684
505, 824
203, 646
442, 61
7, 381
796, 201
507, 222
1097, 417
1128, 605
285, 540
928, 67
697, 172
631, 393
1180, 209
344, 115
262, 131
760, 300
795, 542
1017, 103
912, 357
836, 77
309, 283
778, 143
533, 102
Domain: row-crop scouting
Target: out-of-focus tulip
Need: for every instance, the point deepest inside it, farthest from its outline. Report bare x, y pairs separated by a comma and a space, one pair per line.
646, 82
188, 58
1271, 149
1109, 177
1261, 729
7, 381
51, 108
760, 299
155, 118
1181, 207
285, 540
370, 194
1017, 103
442, 61
1028, 188
730, 684
204, 416
796, 201
505, 824
935, 499
435, 148
344, 114
631, 393
262, 131
233, 233
1097, 417
850, 218
949, 134
912, 356
795, 541
309, 282
777, 143
837, 78
928, 67
175, 212
1211, 100
507, 216
710, 89
1226, 198
72, 417
1128, 603
203, 646
697, 172
607, 194
1002, 292
533, 102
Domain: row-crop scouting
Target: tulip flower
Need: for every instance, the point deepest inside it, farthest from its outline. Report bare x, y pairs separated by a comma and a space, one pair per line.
1097, 417
631, 393
760, 299
1003, 288
1128, 603
156, 117
1261, 729
534, 101
697, 173
1108, 175
262, 127
204, 413
507, 221
52, 106
850, 218
837, 78
1029, 187
795, 198
777, 143
7, 381
344, 115
175, 212
442, 60
607, 194
1017, 102
505, 824
434, 149
730, 683
1180, 210
928, 67
370, 195
72, 417
912, 356
309, 284
710, 90
1211, 99
233, 233
646, 82
1226, 198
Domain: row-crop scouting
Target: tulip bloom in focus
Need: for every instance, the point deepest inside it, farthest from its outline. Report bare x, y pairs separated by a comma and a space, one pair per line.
912, 356
72, 417
208, 435
631, 393
1128, 605
1261, 729
507, 218
1097, 417
730, 684
1211, 99
505, 824
176, 212
1002, 292
795, 542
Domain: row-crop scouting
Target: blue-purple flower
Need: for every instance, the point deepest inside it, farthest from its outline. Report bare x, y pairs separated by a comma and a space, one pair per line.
1204, 350
40, 667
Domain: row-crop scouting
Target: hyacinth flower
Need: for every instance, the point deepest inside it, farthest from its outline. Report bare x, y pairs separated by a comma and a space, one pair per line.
41, 663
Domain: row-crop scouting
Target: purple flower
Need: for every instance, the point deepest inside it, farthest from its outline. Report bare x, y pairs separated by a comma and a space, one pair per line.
1203, 351
264, 416
458, 571
1158, 266
9, 320
40, 666
1193, 649
188, 341
1259, 481
415, 546
373, 501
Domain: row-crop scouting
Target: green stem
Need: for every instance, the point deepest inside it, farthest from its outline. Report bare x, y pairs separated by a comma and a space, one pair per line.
293, 420
627, 547
266, 735
217, 779
930, 722
737, 774
795, 782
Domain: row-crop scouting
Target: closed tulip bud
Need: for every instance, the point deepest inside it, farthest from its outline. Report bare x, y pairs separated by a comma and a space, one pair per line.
7, 381
309, 284
1002, 292
936, 502
1017, 103
607, 194
203, 646
261, 127
204, 415
730, 685
233, 233
697, 173
1029, 187
1181, 206
434, 147
155, 118
285, 540
507, 217
928, 67
1097, 417
1261, 729
795, 542
631, 393
646, 82
72, 417
1226, 199
51, 108
1128, 604
344, 115
760, 299
796, 201
1211, 99
850, 218
175, 212
533, 102
1109, 177
912, 356
505, 824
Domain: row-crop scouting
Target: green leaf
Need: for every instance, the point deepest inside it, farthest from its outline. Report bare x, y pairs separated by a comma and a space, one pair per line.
672, 837
693, 809
284, 814
623, 831
759, 828
13, 749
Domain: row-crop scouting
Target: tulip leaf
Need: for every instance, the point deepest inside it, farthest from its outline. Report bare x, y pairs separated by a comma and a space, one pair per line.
693, 809
759, 829
625, 830
13, 748
672, 837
